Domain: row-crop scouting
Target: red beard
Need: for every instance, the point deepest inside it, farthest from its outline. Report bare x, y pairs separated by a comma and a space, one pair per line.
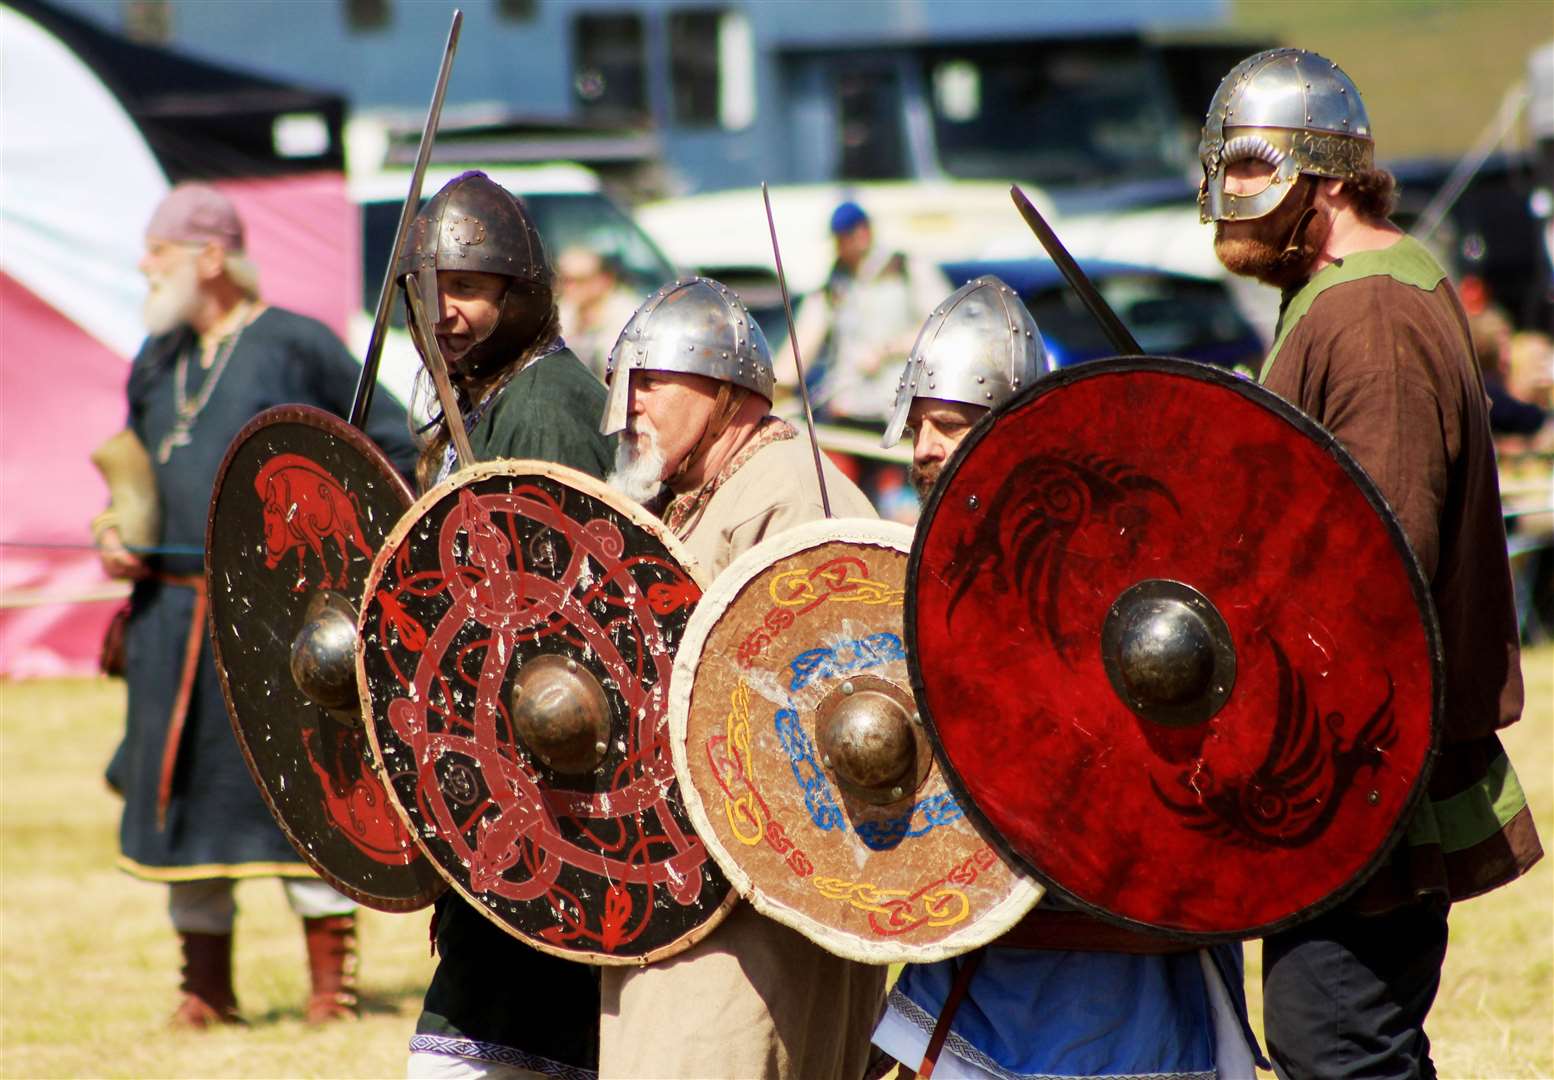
923, 479
1279, 248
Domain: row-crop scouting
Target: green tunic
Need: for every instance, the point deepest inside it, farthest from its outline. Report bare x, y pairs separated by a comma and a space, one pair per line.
493, 998
550, 411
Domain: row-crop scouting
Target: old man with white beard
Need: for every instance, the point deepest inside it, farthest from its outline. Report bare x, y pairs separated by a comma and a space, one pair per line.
690, 392
216, 355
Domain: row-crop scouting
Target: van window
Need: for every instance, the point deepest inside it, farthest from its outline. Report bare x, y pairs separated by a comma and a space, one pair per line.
712, 69
869, 108
1053, 112
609, 67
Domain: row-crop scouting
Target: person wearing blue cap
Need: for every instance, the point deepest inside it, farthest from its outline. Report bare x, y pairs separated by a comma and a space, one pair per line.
854, 237
855, 331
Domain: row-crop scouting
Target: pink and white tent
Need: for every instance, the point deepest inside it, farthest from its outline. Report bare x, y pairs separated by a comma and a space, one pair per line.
93, 129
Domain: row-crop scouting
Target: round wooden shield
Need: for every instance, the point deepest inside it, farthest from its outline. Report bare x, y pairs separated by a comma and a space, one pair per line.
516, 645
805, 767
302, 502
1174, 646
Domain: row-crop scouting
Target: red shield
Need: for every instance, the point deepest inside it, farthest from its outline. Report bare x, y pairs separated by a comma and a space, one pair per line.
517, 601
301, 503
1173, 645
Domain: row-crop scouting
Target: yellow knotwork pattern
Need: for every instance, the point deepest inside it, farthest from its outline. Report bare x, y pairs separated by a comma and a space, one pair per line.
942, 907
745, 810
798, 588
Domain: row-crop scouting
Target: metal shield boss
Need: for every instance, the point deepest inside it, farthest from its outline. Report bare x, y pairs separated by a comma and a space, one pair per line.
302, 502
516, 644
1212, 659
804, 764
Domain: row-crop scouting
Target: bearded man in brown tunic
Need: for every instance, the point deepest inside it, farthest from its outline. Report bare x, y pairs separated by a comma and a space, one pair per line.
1373, 344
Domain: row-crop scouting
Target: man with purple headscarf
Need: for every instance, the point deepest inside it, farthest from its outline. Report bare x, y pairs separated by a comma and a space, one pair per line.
216, 355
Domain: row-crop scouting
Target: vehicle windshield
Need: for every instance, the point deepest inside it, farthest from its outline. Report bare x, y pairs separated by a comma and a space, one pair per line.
1054, 113
1169, 316
564, 219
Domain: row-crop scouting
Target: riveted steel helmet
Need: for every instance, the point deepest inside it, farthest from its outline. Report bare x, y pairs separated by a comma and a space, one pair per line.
980, 347
1291, 108
698, 326
474, 223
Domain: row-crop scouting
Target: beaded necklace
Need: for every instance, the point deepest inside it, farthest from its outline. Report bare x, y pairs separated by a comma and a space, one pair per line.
185, 411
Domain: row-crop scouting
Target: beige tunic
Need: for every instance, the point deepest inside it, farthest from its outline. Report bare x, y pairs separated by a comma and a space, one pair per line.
754, 998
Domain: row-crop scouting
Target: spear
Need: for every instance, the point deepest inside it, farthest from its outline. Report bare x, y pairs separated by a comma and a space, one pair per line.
798, 362
369, 376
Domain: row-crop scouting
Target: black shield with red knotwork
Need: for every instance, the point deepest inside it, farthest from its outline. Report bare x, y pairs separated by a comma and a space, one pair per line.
1174, 647
516, 646
302, 502
804, 764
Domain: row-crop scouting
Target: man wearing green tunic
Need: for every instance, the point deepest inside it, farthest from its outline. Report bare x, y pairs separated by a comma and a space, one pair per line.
1373, 344
496, 1007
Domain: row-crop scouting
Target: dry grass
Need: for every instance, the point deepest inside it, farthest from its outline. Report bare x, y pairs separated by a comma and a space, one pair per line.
1433, 72
88, 964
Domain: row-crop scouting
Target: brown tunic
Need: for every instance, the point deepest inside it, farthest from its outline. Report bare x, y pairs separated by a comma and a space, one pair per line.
1377, 351
754, 998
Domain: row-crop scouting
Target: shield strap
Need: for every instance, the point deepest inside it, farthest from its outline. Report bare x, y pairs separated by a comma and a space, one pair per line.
941, 1029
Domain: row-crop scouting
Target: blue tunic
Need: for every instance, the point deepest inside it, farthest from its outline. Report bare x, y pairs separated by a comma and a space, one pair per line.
1047, 1013
217, 823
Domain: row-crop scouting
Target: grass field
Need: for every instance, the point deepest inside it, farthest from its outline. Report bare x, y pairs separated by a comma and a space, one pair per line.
1433, 72
88, 963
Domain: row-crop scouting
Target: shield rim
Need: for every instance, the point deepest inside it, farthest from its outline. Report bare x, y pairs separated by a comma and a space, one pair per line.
729, 584
638, 516
308, 416
1326, 442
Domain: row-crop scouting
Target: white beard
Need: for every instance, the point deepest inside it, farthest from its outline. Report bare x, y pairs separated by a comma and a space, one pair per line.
637, 473
172, 300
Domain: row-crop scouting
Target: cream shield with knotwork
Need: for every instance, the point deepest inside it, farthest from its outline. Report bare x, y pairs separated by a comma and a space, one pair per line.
804, 766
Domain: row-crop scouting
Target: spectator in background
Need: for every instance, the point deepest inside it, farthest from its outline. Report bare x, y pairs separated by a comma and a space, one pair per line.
216, 355
1517, 374
856, 331
1512, 421
594, 306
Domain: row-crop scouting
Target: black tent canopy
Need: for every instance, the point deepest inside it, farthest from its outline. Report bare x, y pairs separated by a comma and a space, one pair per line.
204, 120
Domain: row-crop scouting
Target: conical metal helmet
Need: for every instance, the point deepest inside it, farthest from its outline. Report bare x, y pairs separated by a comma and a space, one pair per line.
474, 223
698, 326
980, 347
1291, 108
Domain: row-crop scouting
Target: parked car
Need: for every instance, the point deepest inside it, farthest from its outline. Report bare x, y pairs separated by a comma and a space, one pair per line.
1170, 314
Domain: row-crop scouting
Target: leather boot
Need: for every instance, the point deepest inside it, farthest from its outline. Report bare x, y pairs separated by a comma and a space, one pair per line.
332, 967
208, 1000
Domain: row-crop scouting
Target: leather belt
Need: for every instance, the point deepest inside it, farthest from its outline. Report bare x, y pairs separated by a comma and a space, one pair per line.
191, 665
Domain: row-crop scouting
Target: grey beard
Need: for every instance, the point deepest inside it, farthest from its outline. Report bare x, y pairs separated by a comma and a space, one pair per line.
637, 475
172, 304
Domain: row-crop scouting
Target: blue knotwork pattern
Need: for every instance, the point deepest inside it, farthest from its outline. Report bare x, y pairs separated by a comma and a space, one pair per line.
818, 799
936, 810
844, 658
